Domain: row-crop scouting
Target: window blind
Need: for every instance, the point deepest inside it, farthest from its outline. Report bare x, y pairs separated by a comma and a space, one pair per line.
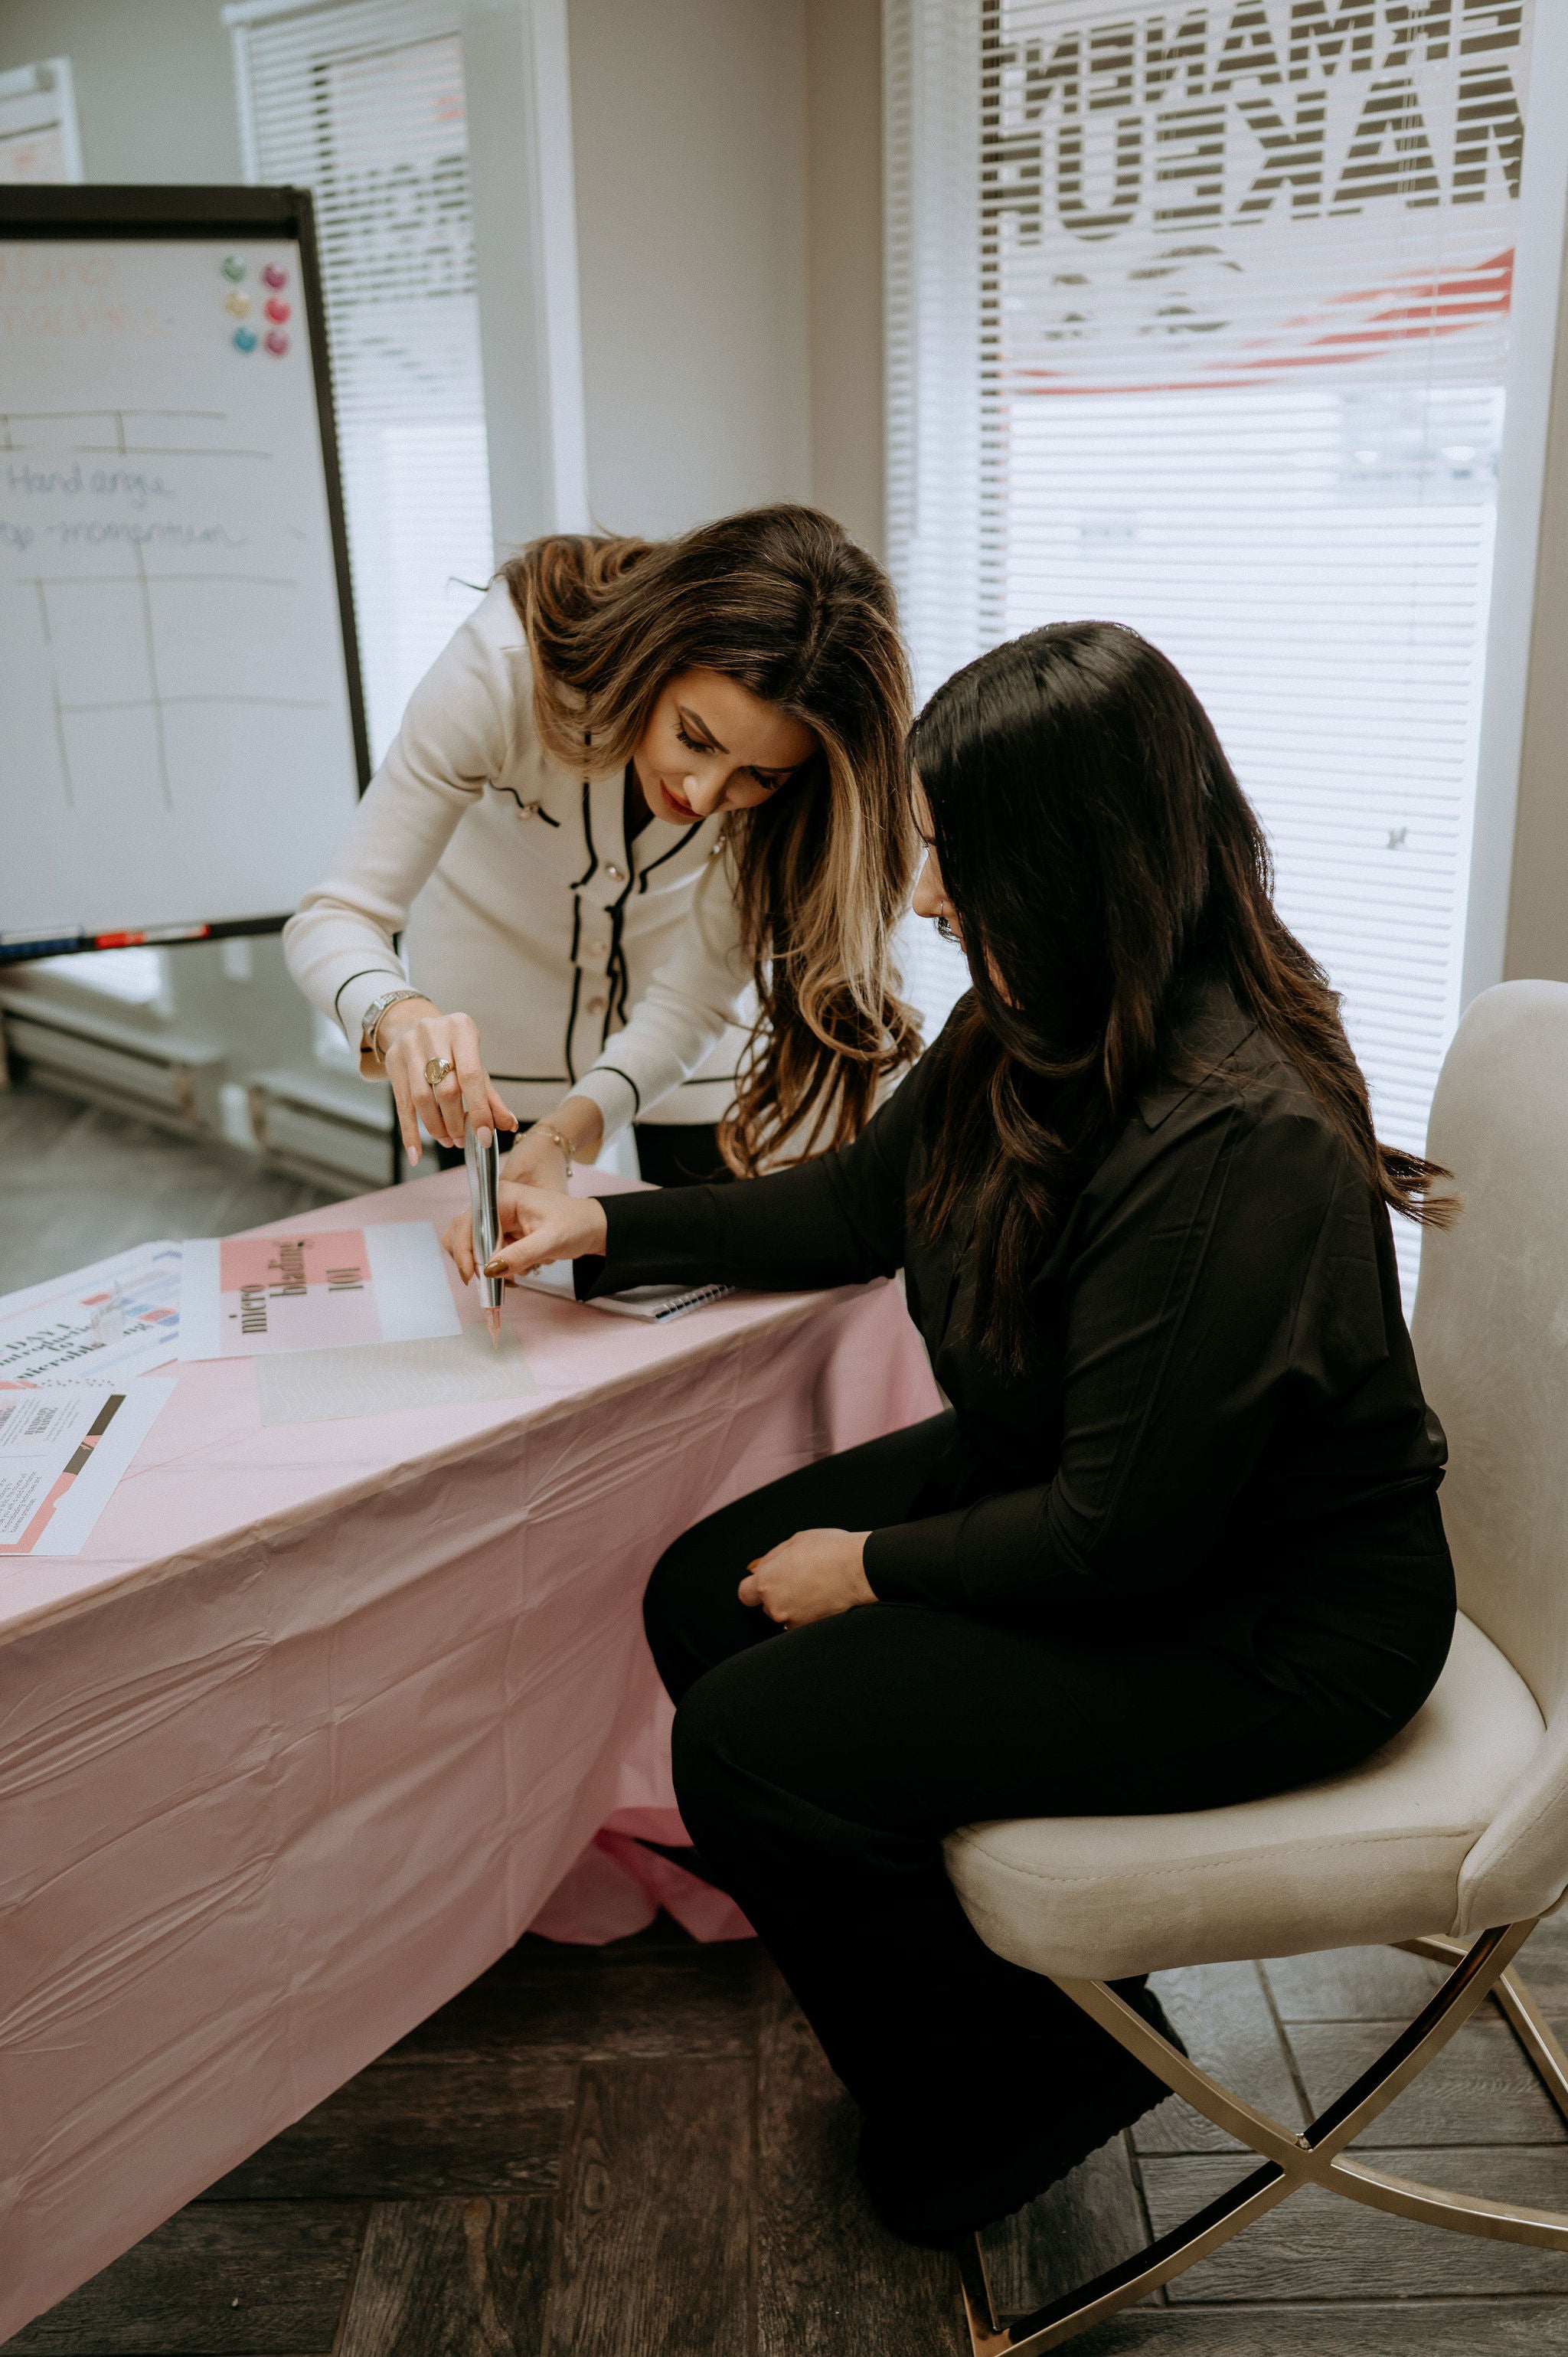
363, 103
1199, 320
38, 124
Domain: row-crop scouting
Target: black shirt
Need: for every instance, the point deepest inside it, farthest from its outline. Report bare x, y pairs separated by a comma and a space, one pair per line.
1220, 1371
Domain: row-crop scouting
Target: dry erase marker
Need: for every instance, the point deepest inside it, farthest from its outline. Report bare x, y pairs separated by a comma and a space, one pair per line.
483, 1164
150, 934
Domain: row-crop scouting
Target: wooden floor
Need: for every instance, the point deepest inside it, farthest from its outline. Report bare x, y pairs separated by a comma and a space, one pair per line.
638, 2151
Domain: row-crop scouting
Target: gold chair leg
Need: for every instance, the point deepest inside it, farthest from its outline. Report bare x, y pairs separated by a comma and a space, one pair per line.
985, 2333
1461, 2214
1314, 2155
1118, 2287
1521, 2011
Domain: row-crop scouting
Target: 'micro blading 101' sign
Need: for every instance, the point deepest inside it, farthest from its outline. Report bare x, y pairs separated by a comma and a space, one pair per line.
1191, 140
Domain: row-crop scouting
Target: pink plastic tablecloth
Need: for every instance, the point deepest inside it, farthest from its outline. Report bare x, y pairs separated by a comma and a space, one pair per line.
328, 1714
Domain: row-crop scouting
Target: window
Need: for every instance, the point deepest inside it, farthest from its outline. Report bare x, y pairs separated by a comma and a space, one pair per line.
137, 977
1199, 321
37, 124
363, 102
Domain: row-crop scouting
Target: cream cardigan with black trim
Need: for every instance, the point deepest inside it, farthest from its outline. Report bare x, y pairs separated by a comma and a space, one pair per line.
590, 968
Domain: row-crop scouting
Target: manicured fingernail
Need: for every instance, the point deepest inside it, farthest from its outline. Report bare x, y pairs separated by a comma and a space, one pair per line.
412, 1154
495, 1269
485, 1136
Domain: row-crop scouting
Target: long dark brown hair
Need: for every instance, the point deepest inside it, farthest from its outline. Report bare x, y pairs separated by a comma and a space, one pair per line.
1098, 853
782, 599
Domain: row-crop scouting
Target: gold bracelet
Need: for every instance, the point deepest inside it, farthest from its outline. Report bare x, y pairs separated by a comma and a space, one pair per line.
564, 1143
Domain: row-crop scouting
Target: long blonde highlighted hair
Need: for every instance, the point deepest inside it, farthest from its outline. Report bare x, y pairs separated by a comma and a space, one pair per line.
782, 600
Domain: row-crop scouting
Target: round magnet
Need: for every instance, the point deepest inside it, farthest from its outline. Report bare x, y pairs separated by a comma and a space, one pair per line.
277, 309
274, 275
277, 341
232, 267
237, 304
245, 340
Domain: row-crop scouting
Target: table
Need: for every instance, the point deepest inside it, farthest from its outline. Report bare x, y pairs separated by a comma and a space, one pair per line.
327, 1714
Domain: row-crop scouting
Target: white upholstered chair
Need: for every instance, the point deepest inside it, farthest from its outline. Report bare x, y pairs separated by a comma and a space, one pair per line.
1454, 1839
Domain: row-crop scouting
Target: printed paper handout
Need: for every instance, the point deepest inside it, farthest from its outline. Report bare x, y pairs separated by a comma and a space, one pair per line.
243, 1297
117, 1319
63, 1447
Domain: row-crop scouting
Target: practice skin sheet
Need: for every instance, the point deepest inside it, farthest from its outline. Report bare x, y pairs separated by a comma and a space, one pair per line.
377, 1378
325, 1714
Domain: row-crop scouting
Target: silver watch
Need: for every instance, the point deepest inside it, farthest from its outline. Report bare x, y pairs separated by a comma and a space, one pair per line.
370, 1022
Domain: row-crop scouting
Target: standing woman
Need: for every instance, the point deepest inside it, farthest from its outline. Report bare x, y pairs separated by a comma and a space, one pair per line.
644, 780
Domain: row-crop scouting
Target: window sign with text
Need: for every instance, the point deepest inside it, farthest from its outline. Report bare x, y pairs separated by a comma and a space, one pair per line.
1200, 321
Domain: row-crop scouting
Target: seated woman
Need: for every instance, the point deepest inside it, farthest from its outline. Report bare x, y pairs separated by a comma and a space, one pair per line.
1176, 1543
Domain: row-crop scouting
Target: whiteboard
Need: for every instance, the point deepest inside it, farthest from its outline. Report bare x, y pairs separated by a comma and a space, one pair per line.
177, 690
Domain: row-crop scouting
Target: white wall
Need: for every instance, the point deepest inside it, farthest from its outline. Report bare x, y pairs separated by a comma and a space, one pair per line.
843, 263
1537, 907
689, 124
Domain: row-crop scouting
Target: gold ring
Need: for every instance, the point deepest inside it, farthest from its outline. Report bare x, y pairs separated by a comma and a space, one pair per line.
437, 1070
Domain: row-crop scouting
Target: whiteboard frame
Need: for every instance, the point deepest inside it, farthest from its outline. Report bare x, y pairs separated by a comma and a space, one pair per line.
224, 214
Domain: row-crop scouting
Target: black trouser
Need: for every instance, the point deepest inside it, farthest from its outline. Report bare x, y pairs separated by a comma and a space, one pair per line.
817, 1769
669, 1153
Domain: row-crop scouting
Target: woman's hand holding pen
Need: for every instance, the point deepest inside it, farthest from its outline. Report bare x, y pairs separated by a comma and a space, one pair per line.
545, 1225
811, 1576
415, 1038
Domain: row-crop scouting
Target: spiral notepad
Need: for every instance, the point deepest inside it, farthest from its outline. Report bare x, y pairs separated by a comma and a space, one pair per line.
654, 1304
